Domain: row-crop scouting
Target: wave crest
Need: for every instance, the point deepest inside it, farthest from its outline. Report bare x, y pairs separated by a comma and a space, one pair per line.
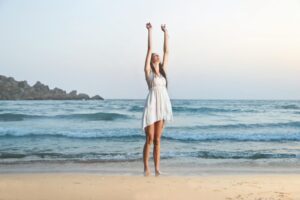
6, 117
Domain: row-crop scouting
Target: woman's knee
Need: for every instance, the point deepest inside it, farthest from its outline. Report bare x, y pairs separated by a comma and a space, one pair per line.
156, 140
149, 140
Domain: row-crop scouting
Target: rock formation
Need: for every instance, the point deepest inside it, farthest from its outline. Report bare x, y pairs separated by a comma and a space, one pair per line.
10, 89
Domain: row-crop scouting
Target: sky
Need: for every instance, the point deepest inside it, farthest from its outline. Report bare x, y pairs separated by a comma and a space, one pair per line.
218, 49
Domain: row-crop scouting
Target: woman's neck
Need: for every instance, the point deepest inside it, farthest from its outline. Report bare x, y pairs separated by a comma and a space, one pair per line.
156, 68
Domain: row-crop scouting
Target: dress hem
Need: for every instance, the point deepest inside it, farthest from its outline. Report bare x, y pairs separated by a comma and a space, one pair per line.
163, 118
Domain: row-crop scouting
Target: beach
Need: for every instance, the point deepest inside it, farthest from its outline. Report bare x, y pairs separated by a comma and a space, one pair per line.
77, 96
49, 186
214, 149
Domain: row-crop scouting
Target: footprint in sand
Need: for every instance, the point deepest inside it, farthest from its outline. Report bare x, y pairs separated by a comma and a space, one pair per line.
283, 195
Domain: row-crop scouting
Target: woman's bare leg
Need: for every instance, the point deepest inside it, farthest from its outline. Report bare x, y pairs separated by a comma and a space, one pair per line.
158, 129
149, 130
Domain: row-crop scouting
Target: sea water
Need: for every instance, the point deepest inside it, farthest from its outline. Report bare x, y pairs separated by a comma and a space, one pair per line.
106, 136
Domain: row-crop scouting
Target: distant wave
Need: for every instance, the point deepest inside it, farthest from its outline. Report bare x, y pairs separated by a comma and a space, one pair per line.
236, 138
56, 155
184, 109
95, 116
234, 155
125, 156
208, 109
290, 106
85, 116
16, 117
69, 135
205, 109
294, 124
178, 137
136, 108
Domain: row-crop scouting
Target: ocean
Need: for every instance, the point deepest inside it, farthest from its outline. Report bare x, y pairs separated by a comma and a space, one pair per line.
206, 136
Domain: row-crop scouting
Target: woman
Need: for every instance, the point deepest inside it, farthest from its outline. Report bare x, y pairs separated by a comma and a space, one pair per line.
157, 108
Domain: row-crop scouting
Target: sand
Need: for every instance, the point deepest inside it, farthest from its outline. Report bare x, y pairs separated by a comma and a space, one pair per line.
56, 186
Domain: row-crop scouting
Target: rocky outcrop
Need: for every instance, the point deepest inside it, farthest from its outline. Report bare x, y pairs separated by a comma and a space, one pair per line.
10, 89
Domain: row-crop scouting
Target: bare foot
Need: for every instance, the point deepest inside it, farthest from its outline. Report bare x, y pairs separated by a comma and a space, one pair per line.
157, 172
146, 172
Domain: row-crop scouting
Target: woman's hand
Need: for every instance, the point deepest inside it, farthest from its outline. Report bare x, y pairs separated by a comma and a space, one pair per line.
163, 28
149, 26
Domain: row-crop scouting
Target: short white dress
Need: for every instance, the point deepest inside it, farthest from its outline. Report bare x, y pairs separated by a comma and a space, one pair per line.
158, 104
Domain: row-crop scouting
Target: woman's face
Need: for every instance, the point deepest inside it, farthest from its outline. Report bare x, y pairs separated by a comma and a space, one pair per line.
155, 58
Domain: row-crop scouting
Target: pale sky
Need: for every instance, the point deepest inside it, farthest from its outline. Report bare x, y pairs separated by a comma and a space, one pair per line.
219, 49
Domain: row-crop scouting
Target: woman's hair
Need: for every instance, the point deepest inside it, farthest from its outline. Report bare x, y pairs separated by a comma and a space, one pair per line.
161, 71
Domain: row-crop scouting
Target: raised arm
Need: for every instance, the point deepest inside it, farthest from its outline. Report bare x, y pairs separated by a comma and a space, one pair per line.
147, 68
166, 47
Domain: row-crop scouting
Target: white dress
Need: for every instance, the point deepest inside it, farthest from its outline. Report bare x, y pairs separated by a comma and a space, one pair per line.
157, 105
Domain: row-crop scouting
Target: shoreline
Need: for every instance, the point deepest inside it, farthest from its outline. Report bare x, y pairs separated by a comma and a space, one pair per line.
97, 186
203, 173
136, 168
